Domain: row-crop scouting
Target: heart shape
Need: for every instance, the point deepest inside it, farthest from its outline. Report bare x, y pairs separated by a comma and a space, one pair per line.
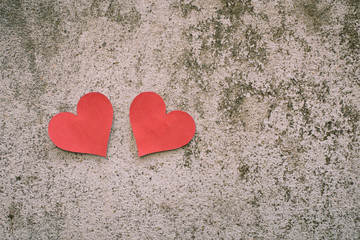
86, 132
156, 131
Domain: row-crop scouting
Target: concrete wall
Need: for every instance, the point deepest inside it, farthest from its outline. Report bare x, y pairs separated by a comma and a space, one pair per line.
272, 85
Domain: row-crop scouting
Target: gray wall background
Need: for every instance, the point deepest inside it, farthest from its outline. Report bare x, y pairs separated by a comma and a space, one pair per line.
273, 87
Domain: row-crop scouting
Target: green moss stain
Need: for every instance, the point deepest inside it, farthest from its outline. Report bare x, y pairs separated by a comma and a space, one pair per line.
255, 49
243, 171
349, 34
218, 40
131, 17
315, 14
232, 98
278, 32
192, 151
185, 7
235, 9
221, 43
352, 115
14, 16
50, 24
234, 94
218, 44
196, 70
117, 11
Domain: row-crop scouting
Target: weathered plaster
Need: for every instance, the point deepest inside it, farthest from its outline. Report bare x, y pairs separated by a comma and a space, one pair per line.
272, 85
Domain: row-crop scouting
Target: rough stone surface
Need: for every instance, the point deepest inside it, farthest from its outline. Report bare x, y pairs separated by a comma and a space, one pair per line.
272, 85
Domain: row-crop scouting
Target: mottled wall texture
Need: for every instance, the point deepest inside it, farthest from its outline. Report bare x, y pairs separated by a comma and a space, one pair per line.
273, 87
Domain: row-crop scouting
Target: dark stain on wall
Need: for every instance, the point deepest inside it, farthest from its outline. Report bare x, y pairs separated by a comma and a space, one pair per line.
131, 17
14, 216
315, 14
192, 151
39, 27
235, 9
12, 14
185, 8
117, 11
233, 94
243, 169
349, 34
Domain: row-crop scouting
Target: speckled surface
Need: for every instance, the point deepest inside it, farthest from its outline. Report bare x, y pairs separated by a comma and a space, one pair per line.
273, 87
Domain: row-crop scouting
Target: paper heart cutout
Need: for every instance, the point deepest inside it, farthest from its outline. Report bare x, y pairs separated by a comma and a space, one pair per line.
156, 131
86, 132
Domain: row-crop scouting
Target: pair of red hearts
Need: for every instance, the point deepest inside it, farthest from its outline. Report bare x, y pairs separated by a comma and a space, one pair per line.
89, 130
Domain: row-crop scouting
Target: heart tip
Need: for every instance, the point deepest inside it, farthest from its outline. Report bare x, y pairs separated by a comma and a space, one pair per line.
102, 155
140, 154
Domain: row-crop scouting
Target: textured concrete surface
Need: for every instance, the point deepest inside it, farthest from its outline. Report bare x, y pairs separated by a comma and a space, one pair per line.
272, 85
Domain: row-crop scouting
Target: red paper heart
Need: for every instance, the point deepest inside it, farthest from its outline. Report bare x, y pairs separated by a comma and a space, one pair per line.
156, 131
86, 132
